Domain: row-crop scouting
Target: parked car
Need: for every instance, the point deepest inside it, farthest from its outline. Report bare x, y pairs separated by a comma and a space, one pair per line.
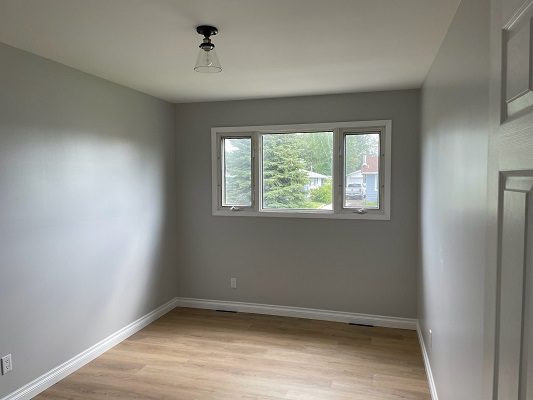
355, 191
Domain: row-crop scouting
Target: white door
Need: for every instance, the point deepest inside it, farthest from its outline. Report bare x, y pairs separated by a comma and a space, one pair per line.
511, 180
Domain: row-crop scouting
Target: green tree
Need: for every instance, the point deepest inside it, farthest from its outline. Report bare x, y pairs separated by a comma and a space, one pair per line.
316, 149
284, 177
322, 194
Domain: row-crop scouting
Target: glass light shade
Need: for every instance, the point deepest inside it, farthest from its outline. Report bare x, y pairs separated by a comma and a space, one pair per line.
207, 61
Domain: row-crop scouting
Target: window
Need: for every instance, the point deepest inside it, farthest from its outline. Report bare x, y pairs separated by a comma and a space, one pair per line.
331, 170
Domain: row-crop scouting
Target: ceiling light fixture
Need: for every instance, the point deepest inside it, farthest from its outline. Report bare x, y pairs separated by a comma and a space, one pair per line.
207, 60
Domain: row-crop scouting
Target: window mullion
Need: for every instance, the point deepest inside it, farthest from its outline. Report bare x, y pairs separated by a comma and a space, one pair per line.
256, 171
220, 194
337, 170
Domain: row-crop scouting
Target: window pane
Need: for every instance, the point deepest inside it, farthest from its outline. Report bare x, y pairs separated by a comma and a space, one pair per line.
237, 167
362, 176
297, 170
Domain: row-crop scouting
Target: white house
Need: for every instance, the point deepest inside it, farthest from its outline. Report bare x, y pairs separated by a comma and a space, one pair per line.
315, 180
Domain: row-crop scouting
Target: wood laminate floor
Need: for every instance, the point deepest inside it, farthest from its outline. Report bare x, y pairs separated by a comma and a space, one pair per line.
199, 354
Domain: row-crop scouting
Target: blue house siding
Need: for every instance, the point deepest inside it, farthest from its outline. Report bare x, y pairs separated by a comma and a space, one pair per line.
372, 194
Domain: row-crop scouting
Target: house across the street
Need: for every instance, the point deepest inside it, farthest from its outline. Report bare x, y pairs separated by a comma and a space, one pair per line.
315, 180
370, 172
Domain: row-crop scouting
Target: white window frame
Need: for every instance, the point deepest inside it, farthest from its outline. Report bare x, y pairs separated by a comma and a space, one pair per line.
220, 178
339, 129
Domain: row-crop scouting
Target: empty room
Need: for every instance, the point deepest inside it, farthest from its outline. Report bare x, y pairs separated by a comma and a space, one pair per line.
266, 199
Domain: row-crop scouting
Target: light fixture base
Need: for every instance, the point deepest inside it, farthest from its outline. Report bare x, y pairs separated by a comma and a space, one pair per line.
206, 30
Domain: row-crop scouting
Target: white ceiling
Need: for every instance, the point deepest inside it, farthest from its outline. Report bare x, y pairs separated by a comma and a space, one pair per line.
268, 48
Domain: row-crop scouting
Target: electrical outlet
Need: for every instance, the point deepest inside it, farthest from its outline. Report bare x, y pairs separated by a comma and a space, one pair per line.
7, 364
430, 339
233, 282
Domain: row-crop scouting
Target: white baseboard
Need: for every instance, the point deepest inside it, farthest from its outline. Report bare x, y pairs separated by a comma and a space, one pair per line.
431, 381
299, 312
55, 375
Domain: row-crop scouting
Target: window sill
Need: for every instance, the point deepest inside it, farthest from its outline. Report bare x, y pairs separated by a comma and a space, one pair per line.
369, 215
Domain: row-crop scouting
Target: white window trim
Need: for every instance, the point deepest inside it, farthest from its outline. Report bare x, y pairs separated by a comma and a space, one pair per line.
338, 212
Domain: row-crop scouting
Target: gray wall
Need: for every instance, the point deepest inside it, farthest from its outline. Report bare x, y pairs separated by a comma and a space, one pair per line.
454, 147
349, 265
87, 221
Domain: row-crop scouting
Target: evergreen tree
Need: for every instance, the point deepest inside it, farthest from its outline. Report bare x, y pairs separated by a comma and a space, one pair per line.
284, 177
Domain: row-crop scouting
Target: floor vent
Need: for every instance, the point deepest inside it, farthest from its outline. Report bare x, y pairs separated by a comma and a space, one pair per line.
368, 326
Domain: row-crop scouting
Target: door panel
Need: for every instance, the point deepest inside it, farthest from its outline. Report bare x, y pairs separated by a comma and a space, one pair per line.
517, 80
526, 387
511, 293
